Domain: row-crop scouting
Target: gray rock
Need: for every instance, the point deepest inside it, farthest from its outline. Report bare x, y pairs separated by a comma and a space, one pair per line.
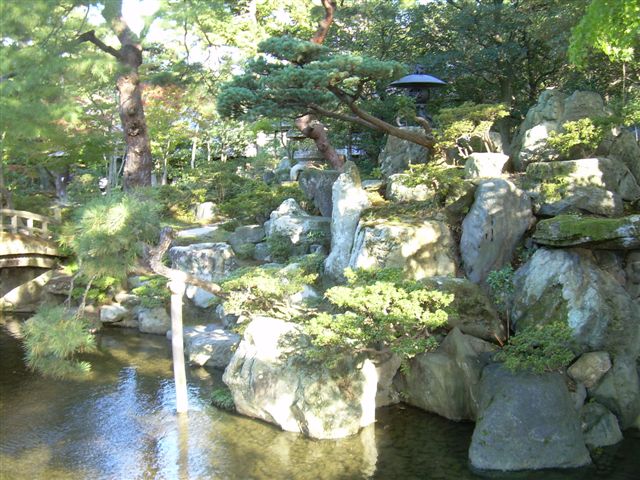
127, 300
398, 154
600, 426
399, 191
261, 252
291, 221
374, 185
207, 261
113, 313
423, 248
246, 234
576, 198
488, 165
349, 199
210, 345
59, 283
579, 396
154, 320
526, 422
386, 369
446, 381
317, 186
590, 368
568, 286
206, 212
632, 272
626, 149
270, 380
583, 105
473, 312
619, 391
200, 298
496, 223
589, 232
606, 173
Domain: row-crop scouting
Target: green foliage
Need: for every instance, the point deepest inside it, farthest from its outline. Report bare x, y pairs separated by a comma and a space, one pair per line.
53, 338
501, 286
466, 120
153, 291
609, 26
265, 290
538, 349
280, 247
245, 251
379, 309
101, 291
108, 234
223, 399
580, 138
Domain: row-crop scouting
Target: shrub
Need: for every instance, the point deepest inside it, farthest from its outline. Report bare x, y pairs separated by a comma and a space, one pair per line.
580, 139
379, 309
53, 338
153, 292
265, 290
538, 349
501, 286
223, 399
280, 247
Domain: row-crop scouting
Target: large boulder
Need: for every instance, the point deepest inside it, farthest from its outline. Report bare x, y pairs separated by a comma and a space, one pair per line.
154, 320
473, 312
625, 148
209, 345
423, 248
270, 379
246, 235
206, 234
606, 173
496, 223
399, 189
398, 154
387, 369
600, 426
632, 274
446, 381
349, 199
619, 391
207, 261
568, 286
590, 232
317, 186
526, 422
552, 110
291, 221
489, 165
551, 198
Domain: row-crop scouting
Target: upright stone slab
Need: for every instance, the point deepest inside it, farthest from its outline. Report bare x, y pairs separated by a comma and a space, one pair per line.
317, 186
526, 422
270, 379
349, 199
496, 223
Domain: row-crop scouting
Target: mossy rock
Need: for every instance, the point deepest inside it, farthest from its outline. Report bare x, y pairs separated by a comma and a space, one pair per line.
591, 232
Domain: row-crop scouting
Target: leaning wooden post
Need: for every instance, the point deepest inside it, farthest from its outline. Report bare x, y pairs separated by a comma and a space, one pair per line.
177, 287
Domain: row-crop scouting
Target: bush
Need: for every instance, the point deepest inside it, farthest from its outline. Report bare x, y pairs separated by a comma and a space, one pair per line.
580, 139
379, 309
223, 399
538, 349
501, 286
53, 338
153, 292
280, 247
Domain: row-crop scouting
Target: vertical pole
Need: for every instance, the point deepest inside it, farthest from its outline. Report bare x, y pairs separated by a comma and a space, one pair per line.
177, 288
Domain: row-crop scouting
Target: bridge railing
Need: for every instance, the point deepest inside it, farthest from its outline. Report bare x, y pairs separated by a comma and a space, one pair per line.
26, 223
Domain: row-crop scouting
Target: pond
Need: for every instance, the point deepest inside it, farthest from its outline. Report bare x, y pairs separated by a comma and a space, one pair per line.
120, 424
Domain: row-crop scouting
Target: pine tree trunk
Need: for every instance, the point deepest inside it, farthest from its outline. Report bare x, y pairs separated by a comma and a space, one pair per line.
138, 163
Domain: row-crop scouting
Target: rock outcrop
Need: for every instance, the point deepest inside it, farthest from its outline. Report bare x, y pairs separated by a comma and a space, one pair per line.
526, 421
270, 379
398, 154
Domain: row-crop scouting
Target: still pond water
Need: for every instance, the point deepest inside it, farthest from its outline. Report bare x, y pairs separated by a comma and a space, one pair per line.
119, 424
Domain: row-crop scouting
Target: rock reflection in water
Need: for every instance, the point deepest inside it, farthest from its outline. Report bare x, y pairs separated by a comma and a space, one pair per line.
120, 424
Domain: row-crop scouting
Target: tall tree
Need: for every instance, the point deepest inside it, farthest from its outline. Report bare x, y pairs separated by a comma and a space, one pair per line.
138, 162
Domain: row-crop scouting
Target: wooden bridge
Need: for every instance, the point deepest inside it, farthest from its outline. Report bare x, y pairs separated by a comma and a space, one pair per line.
26, 240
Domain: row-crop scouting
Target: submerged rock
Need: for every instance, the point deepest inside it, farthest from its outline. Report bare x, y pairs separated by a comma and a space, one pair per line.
270, 379
526, 422
446, 381
210, 345
600, 426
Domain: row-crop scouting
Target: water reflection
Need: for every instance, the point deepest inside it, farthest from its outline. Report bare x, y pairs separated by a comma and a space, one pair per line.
120, 424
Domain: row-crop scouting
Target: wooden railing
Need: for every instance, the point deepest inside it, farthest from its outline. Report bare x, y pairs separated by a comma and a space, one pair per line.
26, 223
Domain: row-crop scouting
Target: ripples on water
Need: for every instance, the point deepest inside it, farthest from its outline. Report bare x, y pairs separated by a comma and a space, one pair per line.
119, 424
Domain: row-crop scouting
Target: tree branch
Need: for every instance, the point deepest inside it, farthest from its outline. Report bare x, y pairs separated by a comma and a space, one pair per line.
90, 36
330, 7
